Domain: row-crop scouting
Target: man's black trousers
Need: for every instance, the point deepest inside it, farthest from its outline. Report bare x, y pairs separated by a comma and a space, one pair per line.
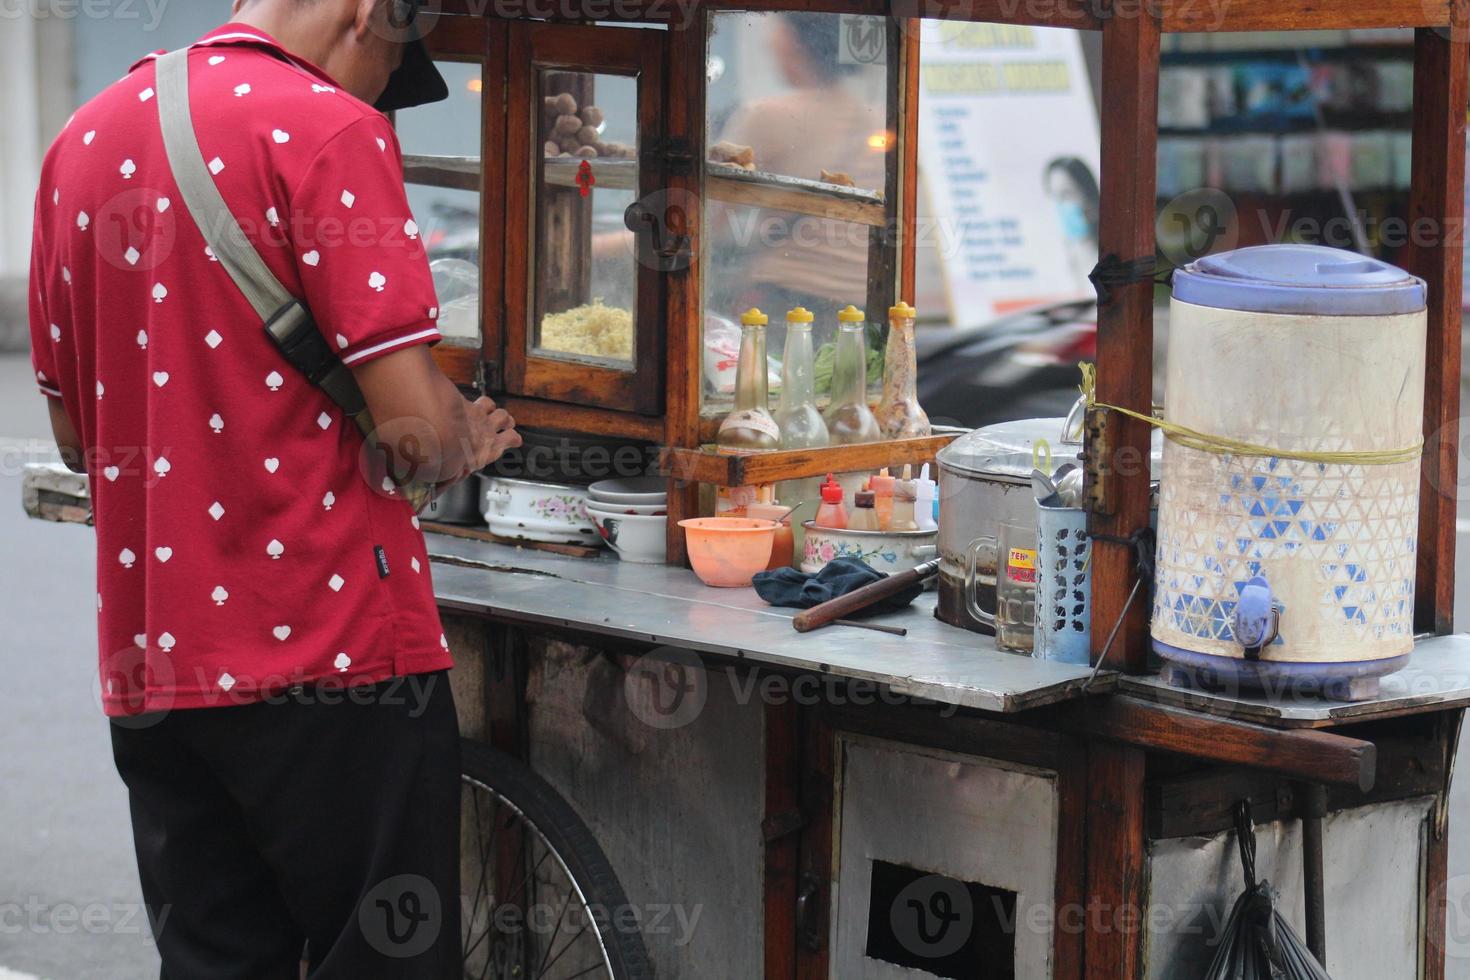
324, 819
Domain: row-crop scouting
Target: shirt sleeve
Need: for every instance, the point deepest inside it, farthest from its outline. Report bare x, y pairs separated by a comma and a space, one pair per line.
358, 250
44, 333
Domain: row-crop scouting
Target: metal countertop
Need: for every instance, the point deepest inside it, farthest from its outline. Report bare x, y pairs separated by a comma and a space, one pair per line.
666, 605
937, 662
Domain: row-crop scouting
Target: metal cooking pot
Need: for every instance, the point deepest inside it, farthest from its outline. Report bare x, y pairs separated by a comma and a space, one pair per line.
985, 481
460, 504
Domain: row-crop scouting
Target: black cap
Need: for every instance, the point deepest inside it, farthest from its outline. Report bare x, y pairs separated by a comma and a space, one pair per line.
417, 80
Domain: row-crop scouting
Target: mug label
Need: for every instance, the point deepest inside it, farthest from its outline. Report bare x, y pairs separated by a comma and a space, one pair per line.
1021, 565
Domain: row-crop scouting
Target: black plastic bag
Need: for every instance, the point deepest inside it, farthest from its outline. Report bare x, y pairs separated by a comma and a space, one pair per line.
1256, 943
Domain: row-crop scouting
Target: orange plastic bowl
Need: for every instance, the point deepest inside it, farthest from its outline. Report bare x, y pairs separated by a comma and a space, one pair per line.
727, 551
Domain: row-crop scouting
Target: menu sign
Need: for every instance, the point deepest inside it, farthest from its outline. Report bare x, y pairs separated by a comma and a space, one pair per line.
1008, 154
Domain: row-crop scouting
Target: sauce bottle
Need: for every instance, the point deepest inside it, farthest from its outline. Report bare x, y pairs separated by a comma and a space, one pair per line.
882, 485
749, 428
832, 513
926, 508
864, 517
899, 415
904, 493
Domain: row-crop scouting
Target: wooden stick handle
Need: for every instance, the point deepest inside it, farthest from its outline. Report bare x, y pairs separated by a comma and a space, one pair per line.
859, 599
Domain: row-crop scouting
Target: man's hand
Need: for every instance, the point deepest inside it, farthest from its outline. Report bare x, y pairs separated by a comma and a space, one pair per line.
492, 431
427, 429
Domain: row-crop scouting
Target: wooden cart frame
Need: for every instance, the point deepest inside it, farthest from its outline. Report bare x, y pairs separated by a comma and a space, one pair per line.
1106, 790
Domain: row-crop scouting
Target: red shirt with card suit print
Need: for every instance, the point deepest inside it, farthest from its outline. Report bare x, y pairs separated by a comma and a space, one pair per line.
241, 549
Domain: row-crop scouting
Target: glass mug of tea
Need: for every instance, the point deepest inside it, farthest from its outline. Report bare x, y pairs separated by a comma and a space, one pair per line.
1012, 553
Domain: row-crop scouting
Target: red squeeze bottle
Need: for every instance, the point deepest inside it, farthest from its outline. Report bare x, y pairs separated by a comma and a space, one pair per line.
832, 513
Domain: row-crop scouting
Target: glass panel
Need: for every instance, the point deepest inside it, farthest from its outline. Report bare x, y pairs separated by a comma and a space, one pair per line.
449, 217
586, 272
797, 105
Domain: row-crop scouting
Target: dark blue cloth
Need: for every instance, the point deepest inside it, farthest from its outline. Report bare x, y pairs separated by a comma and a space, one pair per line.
802, 590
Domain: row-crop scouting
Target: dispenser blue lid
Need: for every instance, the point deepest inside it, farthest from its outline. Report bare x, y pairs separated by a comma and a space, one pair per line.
1299, 279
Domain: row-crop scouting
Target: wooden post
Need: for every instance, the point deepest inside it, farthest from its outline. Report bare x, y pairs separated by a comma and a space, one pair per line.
907, 98
685, 343
1130, 88
1437, 230
1114, 912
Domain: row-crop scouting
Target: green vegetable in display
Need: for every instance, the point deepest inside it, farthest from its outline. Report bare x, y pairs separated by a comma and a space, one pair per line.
827, 355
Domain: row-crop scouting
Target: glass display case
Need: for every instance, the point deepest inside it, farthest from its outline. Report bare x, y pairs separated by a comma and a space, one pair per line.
583, 305
640, 187
799, 162
442, 144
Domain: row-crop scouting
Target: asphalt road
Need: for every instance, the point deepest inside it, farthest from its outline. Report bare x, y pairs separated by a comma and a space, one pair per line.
69, 902
70, 908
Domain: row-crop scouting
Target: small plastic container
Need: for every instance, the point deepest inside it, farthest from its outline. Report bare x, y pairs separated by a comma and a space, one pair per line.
926, 508
905, 496
1063, 586
783, 547
832, 513
882, 484
863, 517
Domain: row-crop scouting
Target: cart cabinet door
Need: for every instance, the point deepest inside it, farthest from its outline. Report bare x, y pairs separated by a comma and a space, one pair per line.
946, 866
442, 166
583, 303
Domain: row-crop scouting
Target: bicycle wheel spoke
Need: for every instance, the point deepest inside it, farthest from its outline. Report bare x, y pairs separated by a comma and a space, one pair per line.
480, 886
583, 973
570, 943
551, 943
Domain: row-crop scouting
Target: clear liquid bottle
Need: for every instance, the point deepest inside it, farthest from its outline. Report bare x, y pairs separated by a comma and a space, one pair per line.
749, 428
849, 419
899, 415
801, 424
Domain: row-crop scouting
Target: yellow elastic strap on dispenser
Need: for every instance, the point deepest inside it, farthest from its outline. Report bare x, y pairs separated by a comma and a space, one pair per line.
1222, 446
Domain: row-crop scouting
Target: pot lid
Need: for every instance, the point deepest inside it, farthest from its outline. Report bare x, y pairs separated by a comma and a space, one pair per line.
1006, 449
1300, 280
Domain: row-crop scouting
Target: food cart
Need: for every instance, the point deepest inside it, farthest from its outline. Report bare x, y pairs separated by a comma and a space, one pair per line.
818, 805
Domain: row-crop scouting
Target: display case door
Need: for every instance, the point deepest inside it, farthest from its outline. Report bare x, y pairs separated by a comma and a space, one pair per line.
584, 297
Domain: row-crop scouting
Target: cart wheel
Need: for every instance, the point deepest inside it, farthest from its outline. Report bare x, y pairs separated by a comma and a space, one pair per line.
541, 901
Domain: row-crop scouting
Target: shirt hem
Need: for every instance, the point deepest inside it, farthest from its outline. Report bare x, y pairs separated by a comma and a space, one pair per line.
49, 392
339, 684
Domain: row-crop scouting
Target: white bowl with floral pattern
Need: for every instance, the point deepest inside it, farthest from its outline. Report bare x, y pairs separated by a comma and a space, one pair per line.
885, 551
549, 513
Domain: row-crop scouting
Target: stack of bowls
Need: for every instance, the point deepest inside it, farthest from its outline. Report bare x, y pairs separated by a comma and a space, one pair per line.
632, 517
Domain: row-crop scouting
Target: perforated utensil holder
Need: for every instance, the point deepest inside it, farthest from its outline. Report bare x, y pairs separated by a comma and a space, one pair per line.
1063, 585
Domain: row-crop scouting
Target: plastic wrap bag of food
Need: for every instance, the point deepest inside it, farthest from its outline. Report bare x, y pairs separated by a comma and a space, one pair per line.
722, 356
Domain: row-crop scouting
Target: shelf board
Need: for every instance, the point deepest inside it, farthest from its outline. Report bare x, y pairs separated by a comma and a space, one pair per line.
756, 188
618, 175
705, 465
723, 182
456, 173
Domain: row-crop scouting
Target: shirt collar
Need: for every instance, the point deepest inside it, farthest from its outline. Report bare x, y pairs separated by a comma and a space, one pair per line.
242, 35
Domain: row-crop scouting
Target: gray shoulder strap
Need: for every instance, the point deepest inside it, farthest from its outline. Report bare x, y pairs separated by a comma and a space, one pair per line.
202, 197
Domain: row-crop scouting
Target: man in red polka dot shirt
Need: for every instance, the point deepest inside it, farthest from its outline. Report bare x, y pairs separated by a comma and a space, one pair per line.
270, 650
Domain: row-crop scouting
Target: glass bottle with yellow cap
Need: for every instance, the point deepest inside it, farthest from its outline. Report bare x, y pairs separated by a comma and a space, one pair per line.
749, 428
849, 420
802, 425
899, 415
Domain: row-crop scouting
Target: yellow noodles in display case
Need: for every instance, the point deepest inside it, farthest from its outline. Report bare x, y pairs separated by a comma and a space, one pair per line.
592, 330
